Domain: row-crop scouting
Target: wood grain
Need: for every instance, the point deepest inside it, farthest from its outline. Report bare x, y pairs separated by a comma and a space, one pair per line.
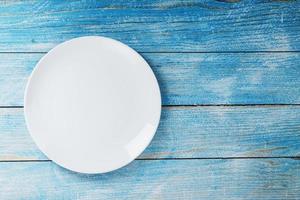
203, 53
189, 132
191, 79
148, 26
156, 179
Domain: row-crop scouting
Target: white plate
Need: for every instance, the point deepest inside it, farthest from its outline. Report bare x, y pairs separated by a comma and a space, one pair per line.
92, 104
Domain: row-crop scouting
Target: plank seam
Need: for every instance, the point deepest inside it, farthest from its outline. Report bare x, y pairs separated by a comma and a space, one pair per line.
170, 52
224, 158
204, 158
207, 105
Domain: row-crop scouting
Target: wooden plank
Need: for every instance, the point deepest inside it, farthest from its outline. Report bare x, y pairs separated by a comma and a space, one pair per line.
164, 26
191, 79
156, 179
193, 132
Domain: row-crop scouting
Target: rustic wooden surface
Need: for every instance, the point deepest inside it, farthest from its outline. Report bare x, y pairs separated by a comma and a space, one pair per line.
229, 73
156, 179
191, 78
189, 132
153, 26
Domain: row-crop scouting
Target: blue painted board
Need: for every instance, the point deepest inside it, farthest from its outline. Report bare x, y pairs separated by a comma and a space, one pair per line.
148, 26
156, 179
190, 79
233, 65
188, 132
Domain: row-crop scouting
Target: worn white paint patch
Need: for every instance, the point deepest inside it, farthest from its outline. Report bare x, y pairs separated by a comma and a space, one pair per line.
268, 41
38, 46
256, 77
7, 111
273, 64
222, 87
283, 39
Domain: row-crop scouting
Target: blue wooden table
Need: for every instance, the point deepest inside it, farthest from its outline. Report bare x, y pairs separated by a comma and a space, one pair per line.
229, 73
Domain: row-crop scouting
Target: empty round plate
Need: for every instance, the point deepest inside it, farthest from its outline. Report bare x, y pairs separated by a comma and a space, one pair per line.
92, 104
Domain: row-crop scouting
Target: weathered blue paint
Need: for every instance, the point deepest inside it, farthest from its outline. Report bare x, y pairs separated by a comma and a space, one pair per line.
225, 55
171, 25
191, 79
156, 179
185, 132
